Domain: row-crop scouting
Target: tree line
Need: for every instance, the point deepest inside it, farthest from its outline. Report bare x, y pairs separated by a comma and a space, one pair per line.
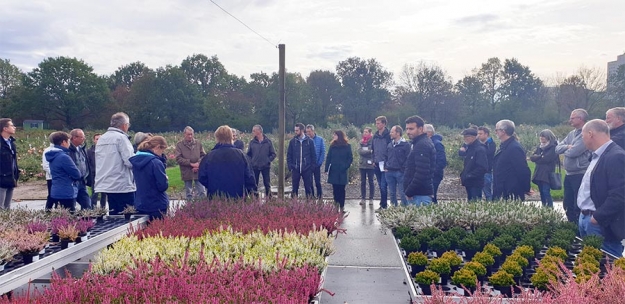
66, 93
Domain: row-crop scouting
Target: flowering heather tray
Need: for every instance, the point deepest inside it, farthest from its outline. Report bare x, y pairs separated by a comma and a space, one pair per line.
99, 228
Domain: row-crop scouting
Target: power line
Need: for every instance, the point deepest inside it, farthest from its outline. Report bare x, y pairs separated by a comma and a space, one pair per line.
237, 19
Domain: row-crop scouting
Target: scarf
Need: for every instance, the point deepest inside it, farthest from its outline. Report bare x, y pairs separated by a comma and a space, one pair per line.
365, 139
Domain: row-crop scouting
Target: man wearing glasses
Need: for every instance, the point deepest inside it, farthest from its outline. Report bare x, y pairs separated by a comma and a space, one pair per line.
575, 162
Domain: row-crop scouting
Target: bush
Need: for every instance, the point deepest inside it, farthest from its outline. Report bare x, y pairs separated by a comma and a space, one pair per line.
417, 258
440, 244
427, 277
460, 232
484, 259
402, 231
594, 252
514, 230
542, 278
440, 266
464, 277
525, 251
483, 235
453, 239
620, 263
501, 278
512, 268
410, 243
593, 241
585, 269
476, 267
452, 257
492, 249
558, 253
469, 244
517, 258
505, 242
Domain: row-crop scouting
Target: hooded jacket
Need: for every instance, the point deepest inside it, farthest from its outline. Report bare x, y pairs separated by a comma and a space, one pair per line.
397, 155
152, 183
226, 172
44, 163
64, 173
77, 153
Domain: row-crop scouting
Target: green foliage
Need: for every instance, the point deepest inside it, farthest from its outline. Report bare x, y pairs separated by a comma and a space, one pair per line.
585, 269
558, 253
417, 258
439, 244
594, 241
464, 277
620, 263
460, 232
484, 259
453, 258
402, 231
514, 230
409, 243
517, 258
483, 235
593, 252
430, 232
525, 251
427, 277
492, 250
476, 267
505, 242
501, 278
452, 237
469, 243
440, 266
561, 243
542, 278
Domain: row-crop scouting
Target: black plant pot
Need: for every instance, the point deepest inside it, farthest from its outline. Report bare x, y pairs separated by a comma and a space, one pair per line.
414, 269
468, 254
489, 270
66, 244
444, 279
506, 291
29, 258
55, 238
100, 219
127, 216
426, 289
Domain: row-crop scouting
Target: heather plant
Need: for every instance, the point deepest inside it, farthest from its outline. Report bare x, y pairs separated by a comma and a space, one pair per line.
483, 235
68, 232
58, 222
205, 282
7, 251
585, 269
440, 244
84, 225
36, 226
469, 243
620, 263
24, 242
586, 258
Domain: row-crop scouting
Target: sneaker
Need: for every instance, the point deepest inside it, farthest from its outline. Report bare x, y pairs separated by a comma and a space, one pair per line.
363, 202
379, 209
370, 202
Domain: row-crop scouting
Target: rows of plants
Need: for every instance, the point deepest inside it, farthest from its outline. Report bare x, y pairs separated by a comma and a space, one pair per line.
216, 251
511, 247
28, 235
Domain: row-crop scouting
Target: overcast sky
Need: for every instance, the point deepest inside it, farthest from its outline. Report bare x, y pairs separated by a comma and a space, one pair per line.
550, 36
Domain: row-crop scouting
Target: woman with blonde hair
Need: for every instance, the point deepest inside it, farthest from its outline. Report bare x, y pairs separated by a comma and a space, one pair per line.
150, 177
337, 163
546, 159
225, 171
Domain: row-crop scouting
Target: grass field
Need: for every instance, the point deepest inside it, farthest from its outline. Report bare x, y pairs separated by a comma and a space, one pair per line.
555, 194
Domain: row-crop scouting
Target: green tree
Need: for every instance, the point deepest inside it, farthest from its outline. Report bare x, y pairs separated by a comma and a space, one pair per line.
67, 91
520, 93
10, 83
616, 87
365, 86
586, 89
324, 89
126, 75
475, 105
207, 73
491, 74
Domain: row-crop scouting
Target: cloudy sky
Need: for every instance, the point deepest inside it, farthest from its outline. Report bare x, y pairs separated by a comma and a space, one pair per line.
550, 36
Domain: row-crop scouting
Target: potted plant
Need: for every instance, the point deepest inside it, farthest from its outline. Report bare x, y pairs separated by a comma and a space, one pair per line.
418, 261
410, 244
27, 244
620, 263
594, 241
494, 251
426, 235
453, 258
57, 223
402, 231
586, 258
593, 252
535, 242
505, 243
484, 259
36, 226
502, 281
83, 226
512, 268
483, 235
425, 279
469, 245
453, 238
543, 277
68, 235
517, 258
465, 278
558, 253
439, 245
516, 231
7, 251
562, 244
477, 268
525, 251
587, 269
128, 211
99, 213
442, 267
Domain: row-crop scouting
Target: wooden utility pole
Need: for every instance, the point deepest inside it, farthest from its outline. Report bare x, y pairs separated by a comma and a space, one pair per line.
281, 127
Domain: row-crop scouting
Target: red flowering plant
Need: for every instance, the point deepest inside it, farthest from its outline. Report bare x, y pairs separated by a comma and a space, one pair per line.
84, 225
206, 282
37, 226
59, 222
26, 243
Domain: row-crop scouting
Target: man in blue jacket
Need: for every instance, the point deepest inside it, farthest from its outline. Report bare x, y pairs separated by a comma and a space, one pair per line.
320, 152
64, 173
379, 146
398, 151
441, 158
511, 175
300, 158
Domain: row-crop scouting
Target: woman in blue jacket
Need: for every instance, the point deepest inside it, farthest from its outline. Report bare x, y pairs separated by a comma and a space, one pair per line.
337, 163
150, 177
64, 172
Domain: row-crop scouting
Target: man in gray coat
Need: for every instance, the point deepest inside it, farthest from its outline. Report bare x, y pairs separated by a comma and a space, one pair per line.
575, 162
113, 169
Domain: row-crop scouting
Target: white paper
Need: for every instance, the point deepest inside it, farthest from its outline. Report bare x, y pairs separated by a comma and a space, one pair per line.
365, 148
381, 165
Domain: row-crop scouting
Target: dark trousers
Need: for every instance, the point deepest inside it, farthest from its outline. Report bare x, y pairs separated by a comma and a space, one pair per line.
338, 192
266, 180
364, 174
118, 201
66, 203
545, 194
474, 193
435, 183
49, 199
306, 175
381, 177
83, 198
571, 187
94, 199
316, 172
157, 215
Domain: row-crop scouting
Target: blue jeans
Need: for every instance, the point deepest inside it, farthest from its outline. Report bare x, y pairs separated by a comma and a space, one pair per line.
395, 179
588, 228
380, 176
419, 200
83, 198
473, 193
188, 189
488, 186
545, 194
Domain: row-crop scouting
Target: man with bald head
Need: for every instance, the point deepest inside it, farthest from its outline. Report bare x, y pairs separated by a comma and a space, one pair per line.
615, 118
601, 197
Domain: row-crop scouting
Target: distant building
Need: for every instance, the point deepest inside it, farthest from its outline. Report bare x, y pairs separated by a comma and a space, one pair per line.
32, 124
613, 65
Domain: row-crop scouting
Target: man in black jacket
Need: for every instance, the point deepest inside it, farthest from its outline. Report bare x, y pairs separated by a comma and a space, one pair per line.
475, 165
420, 164
601, 196
79, 155
511, 175
615, 118
9, 172
261, 154
301, 157
483, 135
379, 146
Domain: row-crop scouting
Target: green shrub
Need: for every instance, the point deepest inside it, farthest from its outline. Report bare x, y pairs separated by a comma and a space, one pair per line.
484, 259
514, 230
593, 241
402, 231
561, 243
585, 269
409, 243
483, 235
417, 258
440, 244
501, 278
620, 263
542, 278
512, 268
440, 266
430, 232
534, 243
586, 258
492, 249
594, 252
525, 251
517, 258
453, 258
460, 232
504, 242
464, 277
557, 252
453, 238
427, 277
476, 267
469, 243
